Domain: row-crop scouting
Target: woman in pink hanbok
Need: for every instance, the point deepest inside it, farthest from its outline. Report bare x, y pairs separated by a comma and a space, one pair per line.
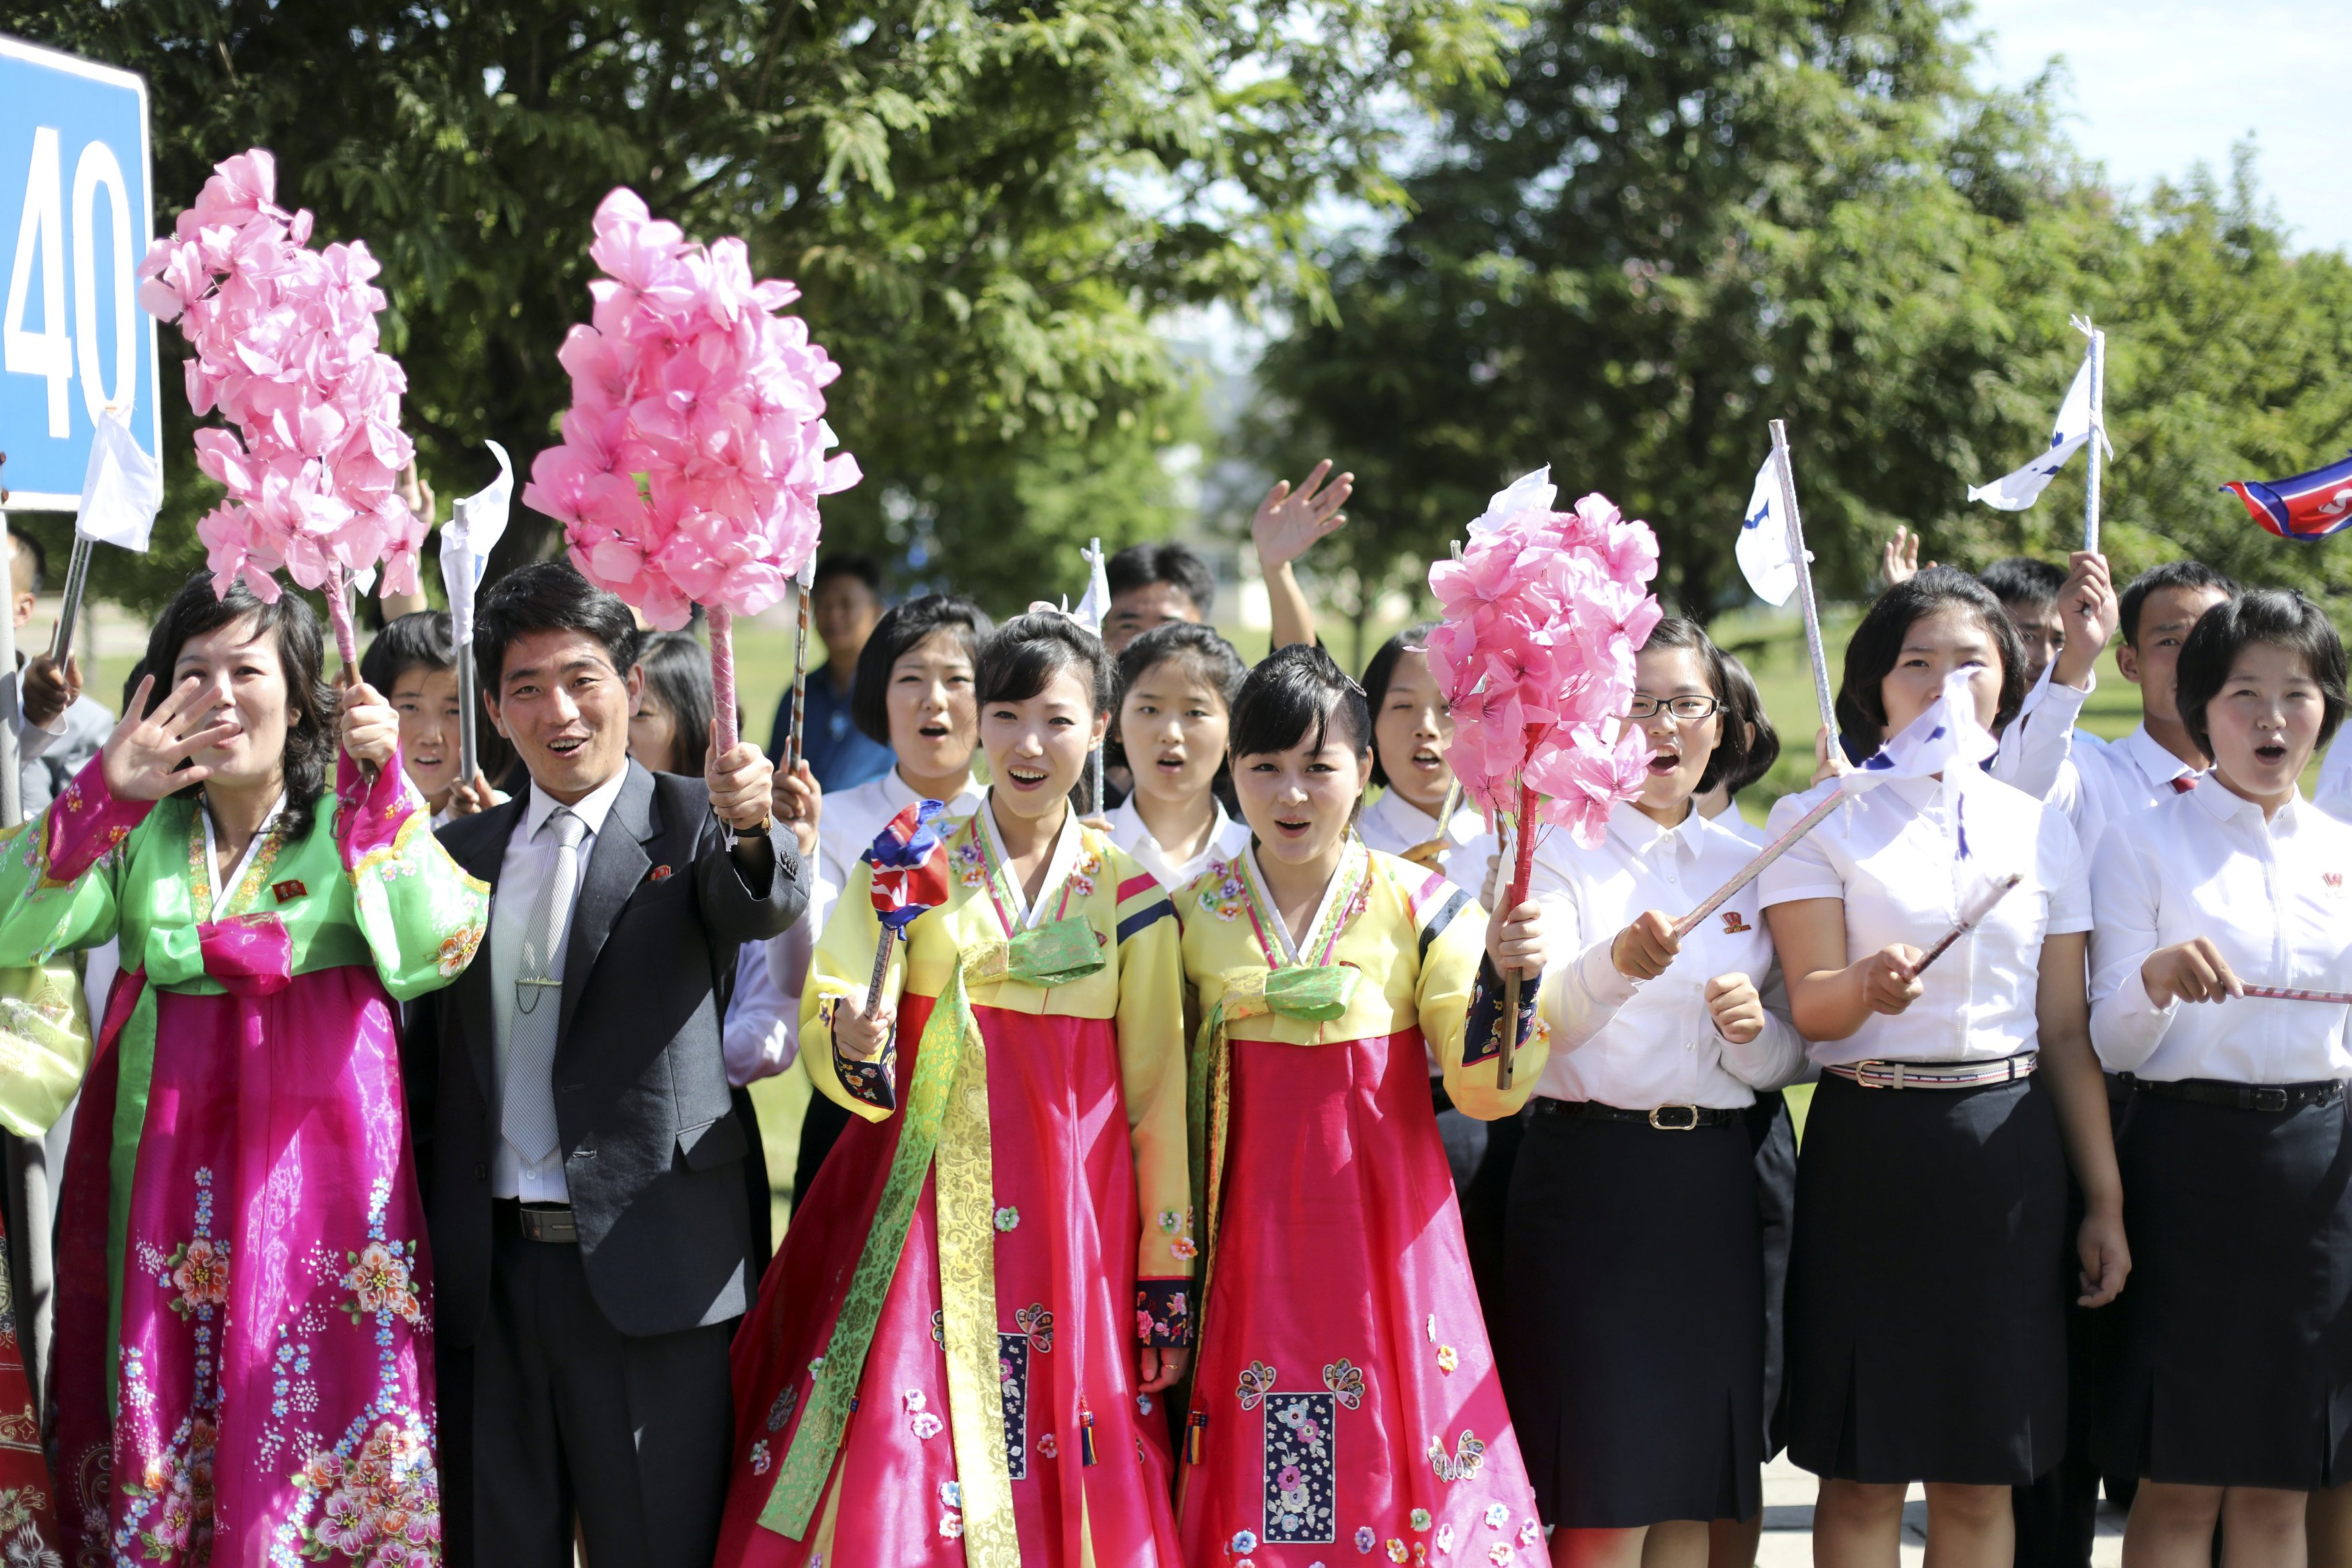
1346, 1400
244, 1354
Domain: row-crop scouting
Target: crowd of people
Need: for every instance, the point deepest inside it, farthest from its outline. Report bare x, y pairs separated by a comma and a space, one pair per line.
1161, 1197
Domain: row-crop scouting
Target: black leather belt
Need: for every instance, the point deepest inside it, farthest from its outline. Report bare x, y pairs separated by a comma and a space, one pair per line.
537, 1221
2273, 1097
1664, 1118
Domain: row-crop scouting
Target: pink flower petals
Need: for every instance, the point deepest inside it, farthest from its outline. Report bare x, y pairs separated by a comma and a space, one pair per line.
285, 340
695, 448
1541, 616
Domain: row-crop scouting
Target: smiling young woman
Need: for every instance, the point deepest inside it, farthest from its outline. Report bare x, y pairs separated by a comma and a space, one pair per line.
2227, 1394
1012, 1196
1346, 1382
266, 926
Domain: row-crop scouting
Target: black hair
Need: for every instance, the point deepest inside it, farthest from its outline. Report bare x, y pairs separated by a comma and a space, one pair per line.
2284, 619
1744, 702
1200, 653
1140, 566
36, 561
1379, 673
1293, 696
312, 709
548, 596
1024, 653
677, 671
848, 564
2022, 580
2171, 574
895, 635
407, 642
1878, 643
1733, 743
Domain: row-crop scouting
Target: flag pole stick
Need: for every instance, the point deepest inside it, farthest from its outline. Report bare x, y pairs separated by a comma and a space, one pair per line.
469, 744
1805, 578
2098, 434
77, 576
1764, 857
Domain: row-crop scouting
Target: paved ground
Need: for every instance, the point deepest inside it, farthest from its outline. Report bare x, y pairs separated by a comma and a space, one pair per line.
1789, 1523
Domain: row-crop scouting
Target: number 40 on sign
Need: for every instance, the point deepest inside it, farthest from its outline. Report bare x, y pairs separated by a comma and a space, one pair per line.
74, 180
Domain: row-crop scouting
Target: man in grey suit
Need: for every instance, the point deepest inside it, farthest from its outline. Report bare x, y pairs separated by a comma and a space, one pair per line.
583, 1184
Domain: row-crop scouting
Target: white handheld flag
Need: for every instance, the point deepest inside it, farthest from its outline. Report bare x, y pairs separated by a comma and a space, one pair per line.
1949, 735
475, 526
121, 490
1763, 552
1094, 609
2015, 492
1528, 493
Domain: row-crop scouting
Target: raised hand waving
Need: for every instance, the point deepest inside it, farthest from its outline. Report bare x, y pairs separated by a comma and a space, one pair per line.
1289, 521
142, 758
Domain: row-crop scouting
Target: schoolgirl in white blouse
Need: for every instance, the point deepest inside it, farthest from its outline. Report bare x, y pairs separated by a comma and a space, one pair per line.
1176, 689
2228, 1391
1927, 1289
1633, 1271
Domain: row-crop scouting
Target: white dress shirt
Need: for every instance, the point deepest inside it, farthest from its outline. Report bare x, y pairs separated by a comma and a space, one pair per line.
1394, 824
850, 819
2113, 782
1895, 855
762, 1033
1640, 1044
530, 861
1226, 839
2274, 896
2041, 740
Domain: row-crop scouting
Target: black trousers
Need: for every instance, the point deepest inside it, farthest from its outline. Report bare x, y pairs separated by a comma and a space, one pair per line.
554, 1413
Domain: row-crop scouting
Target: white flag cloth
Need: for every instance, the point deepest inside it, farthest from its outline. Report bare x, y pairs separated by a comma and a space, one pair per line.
2015, 492
1765, 558
121, 489
1094, 609
1528, 493
475, 526
1949, 735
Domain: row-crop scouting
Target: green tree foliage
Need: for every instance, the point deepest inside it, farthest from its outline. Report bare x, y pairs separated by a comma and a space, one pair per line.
1675, 220
985, 202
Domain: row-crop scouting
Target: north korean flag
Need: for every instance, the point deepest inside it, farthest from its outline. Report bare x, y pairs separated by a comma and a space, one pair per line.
909, 857
2307, 507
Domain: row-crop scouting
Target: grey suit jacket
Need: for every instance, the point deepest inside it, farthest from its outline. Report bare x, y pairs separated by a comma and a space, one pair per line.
651, 1147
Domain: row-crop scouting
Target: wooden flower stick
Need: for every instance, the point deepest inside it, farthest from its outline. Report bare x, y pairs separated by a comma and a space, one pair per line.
2291, 994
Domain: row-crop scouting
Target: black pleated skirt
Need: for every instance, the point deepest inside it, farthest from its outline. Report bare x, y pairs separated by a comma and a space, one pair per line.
1631, 1342
2229, 1366
1927, 1286
1774, 1135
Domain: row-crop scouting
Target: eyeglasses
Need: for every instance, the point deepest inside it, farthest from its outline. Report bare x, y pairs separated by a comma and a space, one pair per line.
1689, 710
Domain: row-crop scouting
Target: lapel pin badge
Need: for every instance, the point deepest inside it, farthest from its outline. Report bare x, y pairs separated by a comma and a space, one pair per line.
659, 874
289, 890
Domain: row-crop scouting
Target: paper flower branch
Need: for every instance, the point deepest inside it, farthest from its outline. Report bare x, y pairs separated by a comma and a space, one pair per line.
693, 451
285, 340
1542, 613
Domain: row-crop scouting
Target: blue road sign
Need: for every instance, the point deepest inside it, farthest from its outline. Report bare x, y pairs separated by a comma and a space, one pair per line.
76, 194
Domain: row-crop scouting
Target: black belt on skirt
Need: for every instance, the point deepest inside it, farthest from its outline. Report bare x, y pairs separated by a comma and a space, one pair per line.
1664, 1118
2271, 1097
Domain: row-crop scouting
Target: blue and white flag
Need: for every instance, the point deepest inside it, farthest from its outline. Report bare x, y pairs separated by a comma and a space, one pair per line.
476, 525
1949, 735
2015, 492
1765, 558
1094, 608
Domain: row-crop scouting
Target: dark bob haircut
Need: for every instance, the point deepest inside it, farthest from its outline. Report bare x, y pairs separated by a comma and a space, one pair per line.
1293, 697
677, 672
1878, 643
1195, 649
1745, 704
1379, 673
421, 640
2022, 580
311, 710
895, 636
547, 596
1027, 651
1740, 730
2171, 574
2284, 619
1178, 566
